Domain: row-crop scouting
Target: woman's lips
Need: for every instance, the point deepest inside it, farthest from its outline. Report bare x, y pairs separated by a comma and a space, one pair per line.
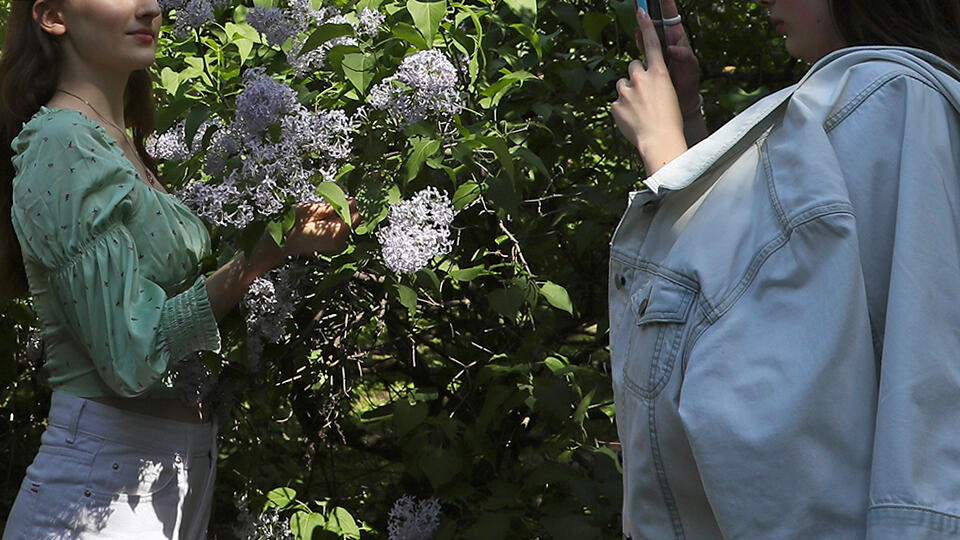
145, 38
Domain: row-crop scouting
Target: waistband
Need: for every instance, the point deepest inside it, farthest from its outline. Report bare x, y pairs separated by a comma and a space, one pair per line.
78, 414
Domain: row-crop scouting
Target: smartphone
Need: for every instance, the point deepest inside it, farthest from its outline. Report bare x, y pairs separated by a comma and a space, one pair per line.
655, 9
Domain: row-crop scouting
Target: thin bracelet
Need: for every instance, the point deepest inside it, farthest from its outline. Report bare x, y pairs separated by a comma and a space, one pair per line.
696, 110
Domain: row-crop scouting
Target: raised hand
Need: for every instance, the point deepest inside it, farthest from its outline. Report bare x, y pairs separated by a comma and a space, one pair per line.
683, 63
647, 111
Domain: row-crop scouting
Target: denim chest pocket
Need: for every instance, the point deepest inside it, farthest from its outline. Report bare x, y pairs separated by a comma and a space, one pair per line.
659, 312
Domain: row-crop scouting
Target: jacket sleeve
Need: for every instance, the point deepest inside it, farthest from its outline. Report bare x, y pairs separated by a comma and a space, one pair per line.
915, 474
76, 218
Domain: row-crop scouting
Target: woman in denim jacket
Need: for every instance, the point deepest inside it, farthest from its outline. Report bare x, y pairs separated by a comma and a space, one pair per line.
785, 297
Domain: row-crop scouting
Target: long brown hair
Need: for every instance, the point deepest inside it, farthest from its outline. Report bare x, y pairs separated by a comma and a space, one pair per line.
931, 25
29, 76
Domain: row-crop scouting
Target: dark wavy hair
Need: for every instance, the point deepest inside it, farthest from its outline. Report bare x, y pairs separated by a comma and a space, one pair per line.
29, 75
932, 25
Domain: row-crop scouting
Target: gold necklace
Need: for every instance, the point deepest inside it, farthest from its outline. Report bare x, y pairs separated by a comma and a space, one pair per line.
150, 176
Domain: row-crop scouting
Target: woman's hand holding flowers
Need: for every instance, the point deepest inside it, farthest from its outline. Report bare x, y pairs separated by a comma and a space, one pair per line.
318, 229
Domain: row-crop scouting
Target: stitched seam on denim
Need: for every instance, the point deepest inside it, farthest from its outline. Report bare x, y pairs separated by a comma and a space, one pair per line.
773, 245
759, 259
656, 383
679, 313
649, 267
912, 509
642, 392
771, 186
838, 117
813, 213
665, 490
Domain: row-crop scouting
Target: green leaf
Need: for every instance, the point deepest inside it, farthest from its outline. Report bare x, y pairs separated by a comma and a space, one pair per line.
533, 159
302, 524
581, 411
406, 416
525, 9
507, 301
358, 69
532, 36
427, 16
340, 521
245, 47
323, 34
170, 81
408, 298
495, 92
557, 296
440, 465
282, 496
334, 195
467, 274
276, 232
465, 194
594, 23
194, 120
411, 35
499, 147
422, 149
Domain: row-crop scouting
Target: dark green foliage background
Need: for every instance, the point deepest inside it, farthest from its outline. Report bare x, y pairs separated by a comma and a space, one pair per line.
475, 381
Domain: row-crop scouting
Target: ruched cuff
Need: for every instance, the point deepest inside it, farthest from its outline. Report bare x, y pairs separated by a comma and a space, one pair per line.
187, 324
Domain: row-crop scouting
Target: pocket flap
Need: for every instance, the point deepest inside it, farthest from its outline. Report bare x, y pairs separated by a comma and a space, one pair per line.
661, 300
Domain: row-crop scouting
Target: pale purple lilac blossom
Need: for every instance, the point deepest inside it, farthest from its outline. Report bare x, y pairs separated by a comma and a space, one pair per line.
191, 14
264, 100
418, 231
274, 23
269, 305
258, 175
412, 520
424, 86
368, 22
307, 62
171, 145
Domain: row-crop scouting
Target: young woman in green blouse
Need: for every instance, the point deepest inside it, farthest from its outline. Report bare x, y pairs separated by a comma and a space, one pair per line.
112, 263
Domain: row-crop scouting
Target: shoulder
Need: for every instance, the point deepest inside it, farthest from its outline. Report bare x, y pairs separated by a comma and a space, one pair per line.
66, 127
55, 142
886, 79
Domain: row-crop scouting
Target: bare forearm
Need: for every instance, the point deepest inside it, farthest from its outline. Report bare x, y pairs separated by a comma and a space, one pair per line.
227, 285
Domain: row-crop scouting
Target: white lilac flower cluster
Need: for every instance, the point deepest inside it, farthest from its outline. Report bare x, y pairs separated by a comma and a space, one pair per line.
268, 524
412, 520
369, 21
191, 13
172, 144
258, 173
424, 86
418, 231
269, 304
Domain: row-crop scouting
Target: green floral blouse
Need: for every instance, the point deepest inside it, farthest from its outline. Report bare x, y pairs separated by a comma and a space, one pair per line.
113, 264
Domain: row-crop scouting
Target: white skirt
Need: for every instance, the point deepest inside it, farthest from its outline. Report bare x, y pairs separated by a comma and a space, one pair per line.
103, 472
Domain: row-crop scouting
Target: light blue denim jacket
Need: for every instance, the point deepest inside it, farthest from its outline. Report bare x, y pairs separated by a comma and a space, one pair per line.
785, 315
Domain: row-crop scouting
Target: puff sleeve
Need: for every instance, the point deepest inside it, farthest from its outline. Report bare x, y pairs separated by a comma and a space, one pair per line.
75, 221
